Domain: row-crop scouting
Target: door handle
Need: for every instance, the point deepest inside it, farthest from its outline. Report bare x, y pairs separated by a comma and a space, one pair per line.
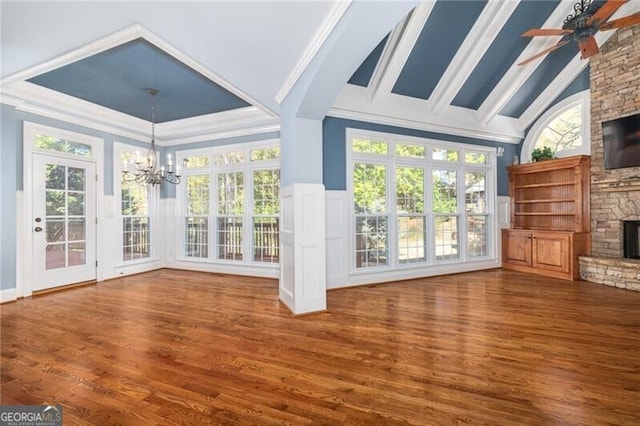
38, 229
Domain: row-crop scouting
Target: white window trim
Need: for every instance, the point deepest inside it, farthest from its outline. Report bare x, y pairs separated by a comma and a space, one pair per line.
246, 266
154, 219
395, 270
545, 119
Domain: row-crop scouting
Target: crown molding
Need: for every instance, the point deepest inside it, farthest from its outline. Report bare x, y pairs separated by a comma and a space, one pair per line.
31, 98
412, 113
335, 14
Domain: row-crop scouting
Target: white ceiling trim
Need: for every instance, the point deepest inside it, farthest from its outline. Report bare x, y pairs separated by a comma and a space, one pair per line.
516, 76
489, 24
403, 111
31, 98
253, 129
237, 122
123, 36
387, 54
403, 49
327, 27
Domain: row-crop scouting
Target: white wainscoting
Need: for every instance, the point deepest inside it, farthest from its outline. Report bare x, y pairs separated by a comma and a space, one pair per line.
303, 248
338, 251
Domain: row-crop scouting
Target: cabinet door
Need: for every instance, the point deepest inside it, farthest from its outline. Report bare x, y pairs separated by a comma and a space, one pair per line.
517, 248
551, 251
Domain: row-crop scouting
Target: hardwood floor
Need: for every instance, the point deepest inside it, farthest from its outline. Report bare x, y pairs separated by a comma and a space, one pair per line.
176, 347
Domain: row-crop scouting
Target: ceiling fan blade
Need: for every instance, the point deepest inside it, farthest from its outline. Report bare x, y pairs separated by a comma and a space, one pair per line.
588, 47
622, 22
544, 52
546, 32
602, 14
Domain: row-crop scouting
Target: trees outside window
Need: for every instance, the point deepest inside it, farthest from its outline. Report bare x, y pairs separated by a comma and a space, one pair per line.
230, 205
418, 201
564, 128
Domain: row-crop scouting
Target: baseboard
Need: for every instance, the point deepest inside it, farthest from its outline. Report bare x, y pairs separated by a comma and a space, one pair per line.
8, 295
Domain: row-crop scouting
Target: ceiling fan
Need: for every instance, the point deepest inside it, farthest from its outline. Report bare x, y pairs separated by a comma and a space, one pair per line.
582, 25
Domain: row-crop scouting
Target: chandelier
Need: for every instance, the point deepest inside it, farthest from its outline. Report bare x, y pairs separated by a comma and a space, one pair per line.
147, 170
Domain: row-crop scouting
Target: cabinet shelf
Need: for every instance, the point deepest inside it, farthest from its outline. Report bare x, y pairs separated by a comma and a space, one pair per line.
544, 214
543, 185
549, 200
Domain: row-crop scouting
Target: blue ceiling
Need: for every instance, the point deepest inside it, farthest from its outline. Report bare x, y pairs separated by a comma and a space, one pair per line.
442, 35
118, 78
503, 52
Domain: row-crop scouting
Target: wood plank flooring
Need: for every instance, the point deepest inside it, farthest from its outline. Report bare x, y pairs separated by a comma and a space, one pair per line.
176, 347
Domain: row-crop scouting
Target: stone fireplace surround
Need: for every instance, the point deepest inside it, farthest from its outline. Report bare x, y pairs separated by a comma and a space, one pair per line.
615, 194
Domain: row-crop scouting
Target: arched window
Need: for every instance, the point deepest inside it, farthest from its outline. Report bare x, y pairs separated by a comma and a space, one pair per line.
564, 128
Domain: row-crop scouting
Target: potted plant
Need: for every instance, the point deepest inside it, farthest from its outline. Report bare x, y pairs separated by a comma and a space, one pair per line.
543, 153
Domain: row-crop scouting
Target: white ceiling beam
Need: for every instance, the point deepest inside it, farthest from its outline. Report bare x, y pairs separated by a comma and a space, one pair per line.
413, 113
387, 54
489, 24
399, 56
569, 73
515, 77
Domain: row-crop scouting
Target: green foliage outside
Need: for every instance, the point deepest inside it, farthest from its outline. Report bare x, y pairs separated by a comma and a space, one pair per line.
564, 132
51, 143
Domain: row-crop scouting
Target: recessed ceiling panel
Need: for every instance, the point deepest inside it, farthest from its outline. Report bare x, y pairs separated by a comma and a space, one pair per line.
544, 74
363, 74
445, 30
503, 52
118, 77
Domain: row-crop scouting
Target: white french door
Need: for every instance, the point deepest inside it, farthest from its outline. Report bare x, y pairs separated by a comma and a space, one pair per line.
63, 221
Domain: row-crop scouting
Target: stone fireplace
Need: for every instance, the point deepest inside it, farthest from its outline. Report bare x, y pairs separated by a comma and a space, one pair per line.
615, 194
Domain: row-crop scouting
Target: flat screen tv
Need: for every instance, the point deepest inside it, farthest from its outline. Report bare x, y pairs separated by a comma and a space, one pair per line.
621, 138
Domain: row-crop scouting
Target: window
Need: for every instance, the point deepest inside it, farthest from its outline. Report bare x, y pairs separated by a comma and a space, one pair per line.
419, 202
230, 205
564, 128
135, 210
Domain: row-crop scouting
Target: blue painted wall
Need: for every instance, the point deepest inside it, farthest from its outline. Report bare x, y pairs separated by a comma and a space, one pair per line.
334, 153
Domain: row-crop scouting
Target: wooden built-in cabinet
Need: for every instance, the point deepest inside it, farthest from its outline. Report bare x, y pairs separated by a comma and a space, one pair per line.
550, 218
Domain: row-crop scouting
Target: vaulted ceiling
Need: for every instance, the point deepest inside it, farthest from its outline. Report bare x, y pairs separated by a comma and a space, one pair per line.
447, 66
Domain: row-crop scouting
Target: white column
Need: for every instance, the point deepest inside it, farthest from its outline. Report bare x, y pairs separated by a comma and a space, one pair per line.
302, 239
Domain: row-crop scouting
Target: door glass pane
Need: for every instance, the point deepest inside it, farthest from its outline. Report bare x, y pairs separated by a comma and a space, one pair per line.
76, 230
55, 203
77, 254
76, 203
55, 176
76, 179
55, 257
55, 230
